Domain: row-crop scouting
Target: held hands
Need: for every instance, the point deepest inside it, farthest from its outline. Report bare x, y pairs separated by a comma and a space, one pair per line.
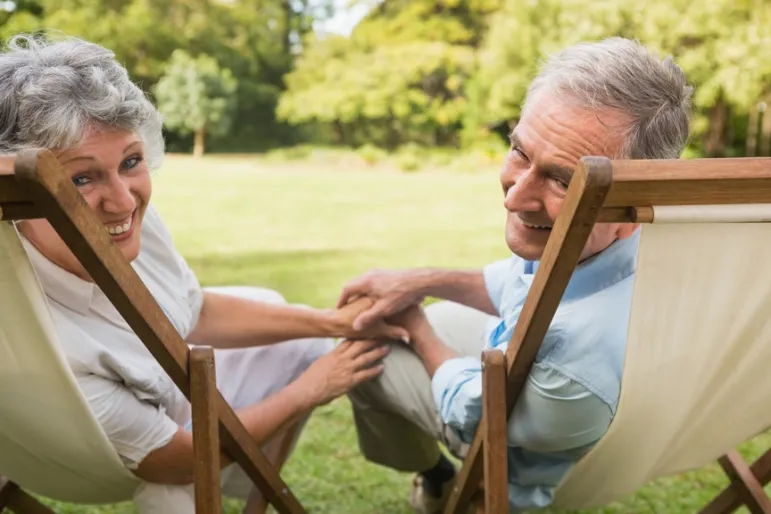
390, 292
378, 329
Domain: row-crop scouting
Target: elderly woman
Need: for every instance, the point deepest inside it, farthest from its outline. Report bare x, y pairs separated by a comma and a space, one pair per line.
275, 362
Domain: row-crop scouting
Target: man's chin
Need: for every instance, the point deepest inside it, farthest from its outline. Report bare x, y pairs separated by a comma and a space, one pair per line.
527, 252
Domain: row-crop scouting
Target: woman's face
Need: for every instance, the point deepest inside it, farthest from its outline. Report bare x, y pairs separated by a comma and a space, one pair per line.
110, 171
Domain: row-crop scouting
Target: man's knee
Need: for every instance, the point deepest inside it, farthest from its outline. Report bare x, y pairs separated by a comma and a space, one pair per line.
259, 294
460, 327
403, 389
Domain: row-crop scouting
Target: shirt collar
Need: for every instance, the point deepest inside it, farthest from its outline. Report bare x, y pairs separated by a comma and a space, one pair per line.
598, 272
58, 284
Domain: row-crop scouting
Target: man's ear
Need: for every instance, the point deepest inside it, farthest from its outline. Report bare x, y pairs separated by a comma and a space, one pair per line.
626, 229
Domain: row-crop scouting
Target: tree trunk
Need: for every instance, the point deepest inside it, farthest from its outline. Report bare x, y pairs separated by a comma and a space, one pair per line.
752, 130
339, 132
288, 16
718, 119
198, 144
765, 134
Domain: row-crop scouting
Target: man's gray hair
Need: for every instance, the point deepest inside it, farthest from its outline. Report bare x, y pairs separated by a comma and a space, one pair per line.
52, 92
620, 74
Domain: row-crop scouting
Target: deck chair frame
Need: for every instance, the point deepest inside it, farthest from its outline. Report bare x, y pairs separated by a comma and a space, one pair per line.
40, 189
602, 190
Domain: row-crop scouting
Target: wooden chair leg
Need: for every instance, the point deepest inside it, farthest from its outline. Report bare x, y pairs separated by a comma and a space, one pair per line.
257, 504
206, 443
746, 485
478, 501
7, 490
13, 498
496, 481
729, 500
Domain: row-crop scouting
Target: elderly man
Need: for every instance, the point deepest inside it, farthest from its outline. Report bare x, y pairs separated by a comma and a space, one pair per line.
610, 98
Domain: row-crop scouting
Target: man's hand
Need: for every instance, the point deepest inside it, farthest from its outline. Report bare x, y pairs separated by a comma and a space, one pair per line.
345, 367
379, 329
413, 319
391, 291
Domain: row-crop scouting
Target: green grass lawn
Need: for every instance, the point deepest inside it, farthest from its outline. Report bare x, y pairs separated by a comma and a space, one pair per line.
305, 231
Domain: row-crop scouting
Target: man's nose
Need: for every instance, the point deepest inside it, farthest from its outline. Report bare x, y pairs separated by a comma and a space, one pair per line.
117, 197
524, 194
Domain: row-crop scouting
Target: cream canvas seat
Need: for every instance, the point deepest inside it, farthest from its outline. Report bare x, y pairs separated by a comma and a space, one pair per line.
695, 383
50, 442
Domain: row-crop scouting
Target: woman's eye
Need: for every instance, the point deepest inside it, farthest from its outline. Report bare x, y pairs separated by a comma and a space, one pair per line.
81, 180
132, 162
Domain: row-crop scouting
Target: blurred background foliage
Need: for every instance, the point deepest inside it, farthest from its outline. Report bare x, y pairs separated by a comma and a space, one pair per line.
411, 75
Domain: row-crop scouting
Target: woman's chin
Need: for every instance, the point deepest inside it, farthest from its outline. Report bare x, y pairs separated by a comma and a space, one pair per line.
129, 248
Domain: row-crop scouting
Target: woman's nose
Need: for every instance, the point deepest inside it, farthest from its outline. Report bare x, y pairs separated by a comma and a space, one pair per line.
118, 198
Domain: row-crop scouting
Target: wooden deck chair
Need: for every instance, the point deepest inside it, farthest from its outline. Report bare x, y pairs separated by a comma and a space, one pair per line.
696, 381
50, 443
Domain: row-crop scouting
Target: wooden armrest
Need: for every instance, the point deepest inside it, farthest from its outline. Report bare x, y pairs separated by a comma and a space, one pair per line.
496, 488
206, 441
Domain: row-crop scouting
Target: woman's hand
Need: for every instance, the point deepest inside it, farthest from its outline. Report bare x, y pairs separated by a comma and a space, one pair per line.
379, 330
345, 367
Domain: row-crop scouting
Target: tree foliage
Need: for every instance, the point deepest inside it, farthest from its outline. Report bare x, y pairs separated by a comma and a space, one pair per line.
484, 54
432, 72
399, 77
255, 39
196, 96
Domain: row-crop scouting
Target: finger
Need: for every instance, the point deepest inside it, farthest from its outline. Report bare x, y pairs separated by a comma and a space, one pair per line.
396, 333
350, 290
359, 347
360, 303
379, 310
344, 346
367, 374
367, 359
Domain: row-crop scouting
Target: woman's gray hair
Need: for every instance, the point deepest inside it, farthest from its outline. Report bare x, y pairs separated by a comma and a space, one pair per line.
621, 74
52, 92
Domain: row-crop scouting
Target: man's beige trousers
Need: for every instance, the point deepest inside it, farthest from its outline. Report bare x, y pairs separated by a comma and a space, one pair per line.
397, 421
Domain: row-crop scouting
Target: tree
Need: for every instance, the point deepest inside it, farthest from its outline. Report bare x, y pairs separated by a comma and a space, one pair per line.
399, 78
719, 44
196, 95
255, 39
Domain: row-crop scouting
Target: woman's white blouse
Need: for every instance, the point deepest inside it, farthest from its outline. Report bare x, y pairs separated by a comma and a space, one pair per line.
137, 404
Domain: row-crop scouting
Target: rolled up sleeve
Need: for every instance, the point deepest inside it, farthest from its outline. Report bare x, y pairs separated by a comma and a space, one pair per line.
134, 427
553, 413
457, 390
494, 275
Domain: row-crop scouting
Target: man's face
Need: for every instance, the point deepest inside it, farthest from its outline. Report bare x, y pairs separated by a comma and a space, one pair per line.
546, 145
